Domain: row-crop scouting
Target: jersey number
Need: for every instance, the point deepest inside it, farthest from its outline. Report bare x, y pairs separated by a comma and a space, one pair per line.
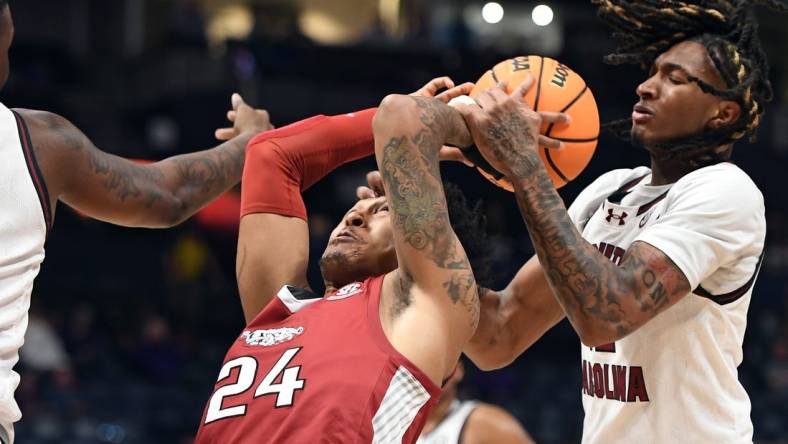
247, 366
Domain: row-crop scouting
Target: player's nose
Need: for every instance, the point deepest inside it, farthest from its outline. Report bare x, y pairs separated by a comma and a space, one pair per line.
648, 89
355, 219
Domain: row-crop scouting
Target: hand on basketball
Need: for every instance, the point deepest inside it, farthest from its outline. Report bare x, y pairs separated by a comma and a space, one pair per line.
452, 91
439, 83
506, 129
245, 119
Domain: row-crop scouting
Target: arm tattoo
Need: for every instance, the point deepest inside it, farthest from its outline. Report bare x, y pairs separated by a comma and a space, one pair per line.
176, 187
507, 135
200, 177
409, 167
591, 289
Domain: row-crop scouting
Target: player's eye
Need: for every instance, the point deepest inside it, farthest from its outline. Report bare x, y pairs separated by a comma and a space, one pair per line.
383, 208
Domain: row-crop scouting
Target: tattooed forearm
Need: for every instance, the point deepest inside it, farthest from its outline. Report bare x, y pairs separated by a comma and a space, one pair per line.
197, 178
125, 192
419, 208
415, 130
596, 295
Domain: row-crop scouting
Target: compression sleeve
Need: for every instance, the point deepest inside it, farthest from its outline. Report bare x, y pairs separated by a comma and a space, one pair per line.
282, 163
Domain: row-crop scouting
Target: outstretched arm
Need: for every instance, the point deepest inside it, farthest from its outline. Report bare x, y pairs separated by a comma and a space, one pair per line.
512, 319
604, 302
116, 190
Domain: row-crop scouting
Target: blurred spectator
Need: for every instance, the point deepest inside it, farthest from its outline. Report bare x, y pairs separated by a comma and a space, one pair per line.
43, 350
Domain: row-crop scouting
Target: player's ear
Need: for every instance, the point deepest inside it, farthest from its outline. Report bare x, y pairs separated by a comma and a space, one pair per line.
727, 112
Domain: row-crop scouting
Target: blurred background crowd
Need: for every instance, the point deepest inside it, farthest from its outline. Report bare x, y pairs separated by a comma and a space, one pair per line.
129, 327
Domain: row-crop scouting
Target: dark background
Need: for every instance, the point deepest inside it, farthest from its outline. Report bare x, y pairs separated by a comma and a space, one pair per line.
129, 326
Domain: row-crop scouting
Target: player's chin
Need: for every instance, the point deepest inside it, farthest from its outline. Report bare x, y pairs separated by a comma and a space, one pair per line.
643, 137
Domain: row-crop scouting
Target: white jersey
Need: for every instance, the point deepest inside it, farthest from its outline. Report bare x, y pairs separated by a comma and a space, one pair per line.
24, 220
675, 379
450, 429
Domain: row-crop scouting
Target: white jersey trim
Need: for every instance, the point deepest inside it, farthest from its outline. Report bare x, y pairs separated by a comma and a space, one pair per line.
404, 398
291, 302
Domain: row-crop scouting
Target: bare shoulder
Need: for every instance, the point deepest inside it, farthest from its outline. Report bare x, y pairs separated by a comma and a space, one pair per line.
491, 424
50, 131
52, 134
44, 120
55, 141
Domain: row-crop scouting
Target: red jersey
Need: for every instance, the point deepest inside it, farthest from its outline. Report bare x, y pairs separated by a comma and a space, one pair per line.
309, 369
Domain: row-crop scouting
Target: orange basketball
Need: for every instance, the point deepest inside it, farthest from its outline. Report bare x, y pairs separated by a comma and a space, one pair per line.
557, 88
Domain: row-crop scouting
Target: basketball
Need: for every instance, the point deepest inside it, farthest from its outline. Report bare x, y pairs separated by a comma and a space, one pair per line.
556, 88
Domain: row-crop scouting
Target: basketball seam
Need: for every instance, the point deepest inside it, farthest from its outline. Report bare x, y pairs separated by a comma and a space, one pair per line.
539, 84
570, 140
572, 102
553, 165
494, 76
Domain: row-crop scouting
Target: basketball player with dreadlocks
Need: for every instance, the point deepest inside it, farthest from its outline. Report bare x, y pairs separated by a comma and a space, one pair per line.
654, 267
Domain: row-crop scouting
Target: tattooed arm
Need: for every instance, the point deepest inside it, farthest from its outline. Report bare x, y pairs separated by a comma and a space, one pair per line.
513, 319
116, 190
433, 292
603, 302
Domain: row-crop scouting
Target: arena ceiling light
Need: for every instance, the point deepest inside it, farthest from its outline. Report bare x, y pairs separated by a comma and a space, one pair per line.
542, 15
234, 21
337, 22
492, 12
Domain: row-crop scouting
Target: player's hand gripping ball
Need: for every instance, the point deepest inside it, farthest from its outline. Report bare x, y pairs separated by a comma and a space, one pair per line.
558, 89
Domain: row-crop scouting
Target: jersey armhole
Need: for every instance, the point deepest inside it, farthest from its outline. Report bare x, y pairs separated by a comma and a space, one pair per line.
34, 170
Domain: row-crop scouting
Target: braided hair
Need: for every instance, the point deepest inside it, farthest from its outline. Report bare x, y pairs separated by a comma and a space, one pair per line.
729, 32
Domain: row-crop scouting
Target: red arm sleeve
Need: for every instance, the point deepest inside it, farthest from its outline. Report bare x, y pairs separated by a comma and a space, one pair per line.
282, 163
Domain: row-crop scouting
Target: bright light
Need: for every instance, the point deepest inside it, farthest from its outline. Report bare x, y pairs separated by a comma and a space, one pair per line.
492, 12
542, 15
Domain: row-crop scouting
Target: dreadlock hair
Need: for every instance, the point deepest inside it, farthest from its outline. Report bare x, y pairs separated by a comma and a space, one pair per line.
729, 32
470, 226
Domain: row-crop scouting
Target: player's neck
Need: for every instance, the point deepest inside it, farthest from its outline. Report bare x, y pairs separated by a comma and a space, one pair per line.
666, 171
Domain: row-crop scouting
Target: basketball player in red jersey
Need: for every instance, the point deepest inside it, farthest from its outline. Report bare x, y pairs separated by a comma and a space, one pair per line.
45, 159
366, 361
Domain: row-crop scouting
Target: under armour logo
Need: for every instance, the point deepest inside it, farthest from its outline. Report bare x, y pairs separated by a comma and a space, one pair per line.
611, 216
